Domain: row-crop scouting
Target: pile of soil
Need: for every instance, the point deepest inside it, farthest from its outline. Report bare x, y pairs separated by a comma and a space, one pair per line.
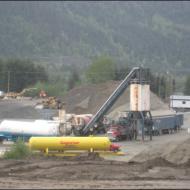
176, 153
89, 98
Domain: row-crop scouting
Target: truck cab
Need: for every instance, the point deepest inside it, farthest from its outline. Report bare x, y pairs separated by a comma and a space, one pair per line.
120, 130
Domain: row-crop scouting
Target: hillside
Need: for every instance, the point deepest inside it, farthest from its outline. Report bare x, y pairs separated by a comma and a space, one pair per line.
154, 34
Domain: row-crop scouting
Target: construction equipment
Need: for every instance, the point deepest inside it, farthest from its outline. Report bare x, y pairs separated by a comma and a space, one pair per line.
42, 94
18, 94
110, 101
121, 130
78, 122
52, 103
138, 75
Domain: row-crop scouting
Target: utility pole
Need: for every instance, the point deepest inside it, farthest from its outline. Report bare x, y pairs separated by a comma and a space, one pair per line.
159, 84
8, 81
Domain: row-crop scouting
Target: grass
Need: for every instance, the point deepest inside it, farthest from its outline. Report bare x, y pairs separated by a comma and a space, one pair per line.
18, 150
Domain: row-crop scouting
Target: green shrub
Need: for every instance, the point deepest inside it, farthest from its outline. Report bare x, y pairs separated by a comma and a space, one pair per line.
18, 150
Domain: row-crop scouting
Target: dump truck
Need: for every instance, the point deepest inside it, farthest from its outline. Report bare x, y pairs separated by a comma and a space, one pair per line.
122, 129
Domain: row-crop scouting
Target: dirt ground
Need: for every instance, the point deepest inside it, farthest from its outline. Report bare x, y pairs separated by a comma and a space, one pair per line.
92, 172
163, 163
23, 109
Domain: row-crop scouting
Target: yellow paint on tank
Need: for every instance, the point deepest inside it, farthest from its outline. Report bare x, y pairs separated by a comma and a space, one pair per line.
70, 143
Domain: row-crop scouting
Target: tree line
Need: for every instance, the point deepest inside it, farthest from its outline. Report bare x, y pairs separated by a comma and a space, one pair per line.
104, 68
17, 74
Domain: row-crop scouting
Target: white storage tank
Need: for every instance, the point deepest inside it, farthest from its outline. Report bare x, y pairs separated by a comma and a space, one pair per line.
140, 97
36, 127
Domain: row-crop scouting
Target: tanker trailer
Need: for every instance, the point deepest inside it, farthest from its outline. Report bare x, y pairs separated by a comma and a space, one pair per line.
48, 144
13, 129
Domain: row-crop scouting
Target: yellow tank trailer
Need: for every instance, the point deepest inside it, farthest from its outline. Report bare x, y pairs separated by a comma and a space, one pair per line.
62, 144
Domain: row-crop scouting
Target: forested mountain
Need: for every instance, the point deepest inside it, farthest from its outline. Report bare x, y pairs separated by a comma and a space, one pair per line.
154, 34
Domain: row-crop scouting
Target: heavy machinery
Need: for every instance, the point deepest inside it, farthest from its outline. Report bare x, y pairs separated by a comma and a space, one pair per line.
140, 111
18, 94
122, 129
52, 103
162, 124
42, 94
78, 122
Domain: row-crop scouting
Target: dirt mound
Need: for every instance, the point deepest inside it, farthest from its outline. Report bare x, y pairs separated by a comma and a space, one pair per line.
180, 153
89, 98
159, 161
176, 153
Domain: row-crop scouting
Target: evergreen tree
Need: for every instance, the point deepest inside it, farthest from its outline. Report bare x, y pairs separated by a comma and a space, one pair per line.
187, 86
101, 70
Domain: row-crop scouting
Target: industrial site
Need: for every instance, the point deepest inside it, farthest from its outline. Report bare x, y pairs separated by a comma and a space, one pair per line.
127, 139
94, 95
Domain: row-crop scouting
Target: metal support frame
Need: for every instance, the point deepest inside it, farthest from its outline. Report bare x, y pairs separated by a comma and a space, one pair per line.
143, 113
112, 99
137, 75
142, 78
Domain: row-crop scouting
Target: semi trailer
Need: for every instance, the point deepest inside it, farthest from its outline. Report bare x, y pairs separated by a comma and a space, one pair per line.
122, 129
167, 124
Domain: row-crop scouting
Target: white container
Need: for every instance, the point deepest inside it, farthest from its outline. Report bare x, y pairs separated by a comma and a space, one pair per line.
36, 127
139, 97
188, 130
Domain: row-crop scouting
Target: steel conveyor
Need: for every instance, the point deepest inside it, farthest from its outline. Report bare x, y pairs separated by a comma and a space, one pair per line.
111, 100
